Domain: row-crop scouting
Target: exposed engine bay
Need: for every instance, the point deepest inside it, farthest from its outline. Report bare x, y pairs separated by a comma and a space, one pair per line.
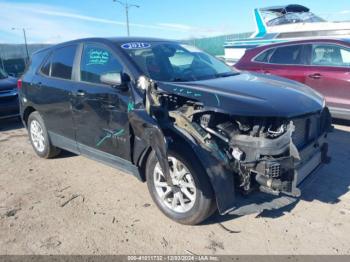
259, 152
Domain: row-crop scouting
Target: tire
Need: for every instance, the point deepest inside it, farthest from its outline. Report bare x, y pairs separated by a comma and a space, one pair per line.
189, 212
39, 137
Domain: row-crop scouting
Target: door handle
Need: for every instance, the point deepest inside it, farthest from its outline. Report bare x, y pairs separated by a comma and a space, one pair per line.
315, 76
108, 106
266, 72
80, 93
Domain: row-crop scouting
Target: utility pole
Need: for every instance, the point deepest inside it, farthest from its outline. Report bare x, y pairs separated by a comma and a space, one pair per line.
25, 41
2, 63
2, 60
126, 6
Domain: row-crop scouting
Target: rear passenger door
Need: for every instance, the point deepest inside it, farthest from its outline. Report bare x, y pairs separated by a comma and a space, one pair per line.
329, 73
51, 91
100, 110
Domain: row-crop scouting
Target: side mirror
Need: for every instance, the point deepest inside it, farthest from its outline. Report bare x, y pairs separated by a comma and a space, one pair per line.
113, 79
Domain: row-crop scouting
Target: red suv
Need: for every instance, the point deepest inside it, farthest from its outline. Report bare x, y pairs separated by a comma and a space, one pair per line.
323, 64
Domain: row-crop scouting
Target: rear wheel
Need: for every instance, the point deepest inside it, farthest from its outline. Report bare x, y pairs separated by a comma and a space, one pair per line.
190, 200
39, 137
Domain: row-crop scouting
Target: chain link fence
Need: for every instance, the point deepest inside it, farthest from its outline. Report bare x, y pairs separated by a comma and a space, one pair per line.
215, 45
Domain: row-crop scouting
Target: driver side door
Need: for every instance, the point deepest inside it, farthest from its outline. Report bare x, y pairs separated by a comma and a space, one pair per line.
100, 110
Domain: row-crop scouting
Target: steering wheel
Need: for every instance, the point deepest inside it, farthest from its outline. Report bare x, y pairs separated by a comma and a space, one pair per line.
188, 73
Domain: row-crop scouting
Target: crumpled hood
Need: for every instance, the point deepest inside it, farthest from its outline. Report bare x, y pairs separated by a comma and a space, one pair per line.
250, 94
8, 83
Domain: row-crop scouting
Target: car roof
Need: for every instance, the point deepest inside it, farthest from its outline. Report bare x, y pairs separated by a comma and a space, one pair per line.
304, 41
136, 39
117, 40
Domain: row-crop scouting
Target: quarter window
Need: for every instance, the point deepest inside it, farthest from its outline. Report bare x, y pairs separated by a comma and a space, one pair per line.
330, 55
97, 61
264, 57
62, 62
287, 55
45, 69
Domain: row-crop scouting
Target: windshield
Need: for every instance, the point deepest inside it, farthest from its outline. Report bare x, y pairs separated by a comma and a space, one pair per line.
166, 61
292, 18
2, 74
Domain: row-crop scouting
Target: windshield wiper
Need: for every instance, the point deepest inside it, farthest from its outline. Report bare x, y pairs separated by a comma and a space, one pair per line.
179, 79
227, 74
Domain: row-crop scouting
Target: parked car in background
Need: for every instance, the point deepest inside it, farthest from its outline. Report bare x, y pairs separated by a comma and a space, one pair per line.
196, 130
9, 106
323, 64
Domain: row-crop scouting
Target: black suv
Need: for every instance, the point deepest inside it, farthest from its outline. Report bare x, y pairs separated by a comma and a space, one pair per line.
8, 96
176, 117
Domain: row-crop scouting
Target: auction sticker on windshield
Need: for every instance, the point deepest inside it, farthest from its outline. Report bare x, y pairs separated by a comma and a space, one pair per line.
136, 45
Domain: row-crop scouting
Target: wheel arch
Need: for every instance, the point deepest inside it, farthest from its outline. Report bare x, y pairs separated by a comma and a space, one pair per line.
221, 179
27, 111
220, 176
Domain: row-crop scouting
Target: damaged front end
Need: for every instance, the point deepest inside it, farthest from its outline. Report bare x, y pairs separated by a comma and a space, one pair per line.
244, 153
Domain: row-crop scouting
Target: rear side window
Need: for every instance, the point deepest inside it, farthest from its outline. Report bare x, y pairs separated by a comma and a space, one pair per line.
287, 55
97, 60
35, 62
330, 55
264, 57
62, 62
45, 69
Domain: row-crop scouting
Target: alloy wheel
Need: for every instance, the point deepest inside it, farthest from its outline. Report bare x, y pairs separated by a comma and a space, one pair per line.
182, 195
37, 135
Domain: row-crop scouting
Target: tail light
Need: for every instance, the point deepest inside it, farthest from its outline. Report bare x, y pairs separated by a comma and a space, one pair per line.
19, 83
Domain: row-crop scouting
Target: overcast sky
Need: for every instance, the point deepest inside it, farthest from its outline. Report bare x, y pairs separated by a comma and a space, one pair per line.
53, 21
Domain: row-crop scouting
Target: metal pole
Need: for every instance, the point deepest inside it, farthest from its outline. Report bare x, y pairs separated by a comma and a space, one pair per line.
126, 5
25, 43
127, 18
2, 63
2, 59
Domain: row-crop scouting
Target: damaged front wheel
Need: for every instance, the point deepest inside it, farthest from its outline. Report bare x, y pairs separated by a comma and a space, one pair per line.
189, 200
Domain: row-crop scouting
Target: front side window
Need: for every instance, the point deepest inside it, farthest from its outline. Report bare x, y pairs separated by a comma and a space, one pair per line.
62, 62
97, 61
330, 55
292, 18
287, 55
169, 61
